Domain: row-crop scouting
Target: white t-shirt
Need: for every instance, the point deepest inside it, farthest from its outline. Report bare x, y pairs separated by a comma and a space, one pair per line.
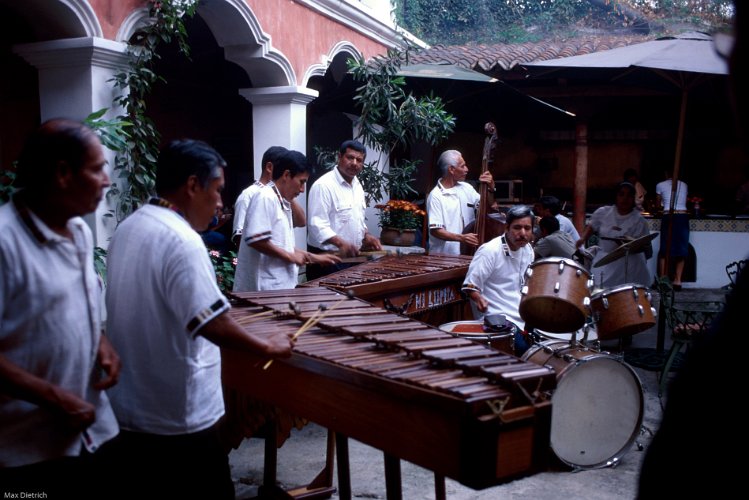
497, 273
451, 209
50, 325
240, 206
663, 189
568, 227
335, 207
268, 217
161, 290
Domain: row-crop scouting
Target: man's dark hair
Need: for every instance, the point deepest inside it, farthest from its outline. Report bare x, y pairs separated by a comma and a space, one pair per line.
293, 161
550, 224
519, 212
551, 203
626, 185
352, 144
183, 158
57, 140
271, 154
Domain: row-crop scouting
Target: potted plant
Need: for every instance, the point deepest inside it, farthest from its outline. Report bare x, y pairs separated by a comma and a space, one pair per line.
399, 220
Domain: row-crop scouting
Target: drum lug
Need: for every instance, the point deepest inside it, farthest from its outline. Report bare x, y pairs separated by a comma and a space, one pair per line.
634, 293
586, 302
579, 273
591, 283
524, 290
649, 296
641, 310
561, 266
652, 309
529, 272
556, 287
605, 303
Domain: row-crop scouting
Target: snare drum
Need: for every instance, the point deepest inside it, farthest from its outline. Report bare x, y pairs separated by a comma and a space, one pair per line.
622, 310
474, 330
556, 295
597, 407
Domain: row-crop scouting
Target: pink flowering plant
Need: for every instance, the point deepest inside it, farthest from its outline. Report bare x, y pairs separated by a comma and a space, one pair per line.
225, 264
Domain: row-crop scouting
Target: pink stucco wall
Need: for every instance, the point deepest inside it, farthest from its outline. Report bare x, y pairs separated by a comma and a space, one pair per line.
302, 35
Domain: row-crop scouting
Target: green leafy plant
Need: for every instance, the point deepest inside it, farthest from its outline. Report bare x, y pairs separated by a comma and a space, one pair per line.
225, 265
136, 162
7, 178
392, 119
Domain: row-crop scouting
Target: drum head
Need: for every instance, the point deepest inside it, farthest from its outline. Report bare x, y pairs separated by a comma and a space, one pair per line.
596, 413
592, 335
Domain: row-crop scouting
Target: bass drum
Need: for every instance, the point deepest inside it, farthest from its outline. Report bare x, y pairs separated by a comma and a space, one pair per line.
597, 407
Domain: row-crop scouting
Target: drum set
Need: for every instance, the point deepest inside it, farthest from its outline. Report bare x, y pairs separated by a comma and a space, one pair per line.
598, 404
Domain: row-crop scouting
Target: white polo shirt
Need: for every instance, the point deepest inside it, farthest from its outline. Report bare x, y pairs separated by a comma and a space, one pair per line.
161, 290
335, 207
268, 217
451, 209
50, 325
240, 206
497, 273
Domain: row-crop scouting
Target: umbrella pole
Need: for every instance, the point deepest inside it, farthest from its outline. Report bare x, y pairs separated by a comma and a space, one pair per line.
660, 340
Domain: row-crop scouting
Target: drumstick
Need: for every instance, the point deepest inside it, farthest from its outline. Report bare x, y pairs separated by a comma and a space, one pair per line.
314, 319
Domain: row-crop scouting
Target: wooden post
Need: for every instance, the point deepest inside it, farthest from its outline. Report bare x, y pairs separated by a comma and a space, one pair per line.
580, 185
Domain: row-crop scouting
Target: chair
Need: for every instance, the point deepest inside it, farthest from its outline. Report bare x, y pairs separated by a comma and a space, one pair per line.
686, 321
733, 270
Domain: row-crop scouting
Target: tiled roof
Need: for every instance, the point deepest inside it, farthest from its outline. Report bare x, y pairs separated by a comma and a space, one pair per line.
504, 57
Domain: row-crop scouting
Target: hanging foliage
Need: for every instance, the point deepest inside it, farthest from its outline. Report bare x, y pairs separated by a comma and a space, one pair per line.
135, 166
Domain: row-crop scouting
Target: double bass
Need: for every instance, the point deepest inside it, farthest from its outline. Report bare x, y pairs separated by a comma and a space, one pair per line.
487, 224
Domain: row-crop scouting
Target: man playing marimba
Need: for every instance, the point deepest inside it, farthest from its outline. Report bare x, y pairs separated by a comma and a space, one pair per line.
336, 221
167, 318
267, 257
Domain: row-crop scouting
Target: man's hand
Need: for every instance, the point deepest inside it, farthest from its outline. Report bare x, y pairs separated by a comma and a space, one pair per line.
487, 178
347, 249
109, 365
77, 414
481, 303
323, 259
279, 345
469, 239
371, 243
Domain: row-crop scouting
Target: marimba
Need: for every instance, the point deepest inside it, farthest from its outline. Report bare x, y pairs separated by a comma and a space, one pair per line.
423, 287
460, 409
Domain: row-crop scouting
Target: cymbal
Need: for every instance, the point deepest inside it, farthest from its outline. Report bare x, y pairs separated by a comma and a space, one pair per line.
631, 246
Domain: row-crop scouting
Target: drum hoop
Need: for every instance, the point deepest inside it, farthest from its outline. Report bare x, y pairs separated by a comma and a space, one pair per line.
619, 288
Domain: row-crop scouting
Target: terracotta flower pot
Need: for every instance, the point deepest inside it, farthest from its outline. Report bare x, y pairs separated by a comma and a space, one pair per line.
398, 237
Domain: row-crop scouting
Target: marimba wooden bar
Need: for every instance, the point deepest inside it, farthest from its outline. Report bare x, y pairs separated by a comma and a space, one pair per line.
423, 287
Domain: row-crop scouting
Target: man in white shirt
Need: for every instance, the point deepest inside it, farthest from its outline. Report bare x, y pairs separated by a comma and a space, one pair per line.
168, 318
54, 362
245, 197
336, 207
267, 257
452, 204
496, 273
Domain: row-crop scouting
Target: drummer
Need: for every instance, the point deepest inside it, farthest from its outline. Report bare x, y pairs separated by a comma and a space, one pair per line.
495, 276
617, 224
